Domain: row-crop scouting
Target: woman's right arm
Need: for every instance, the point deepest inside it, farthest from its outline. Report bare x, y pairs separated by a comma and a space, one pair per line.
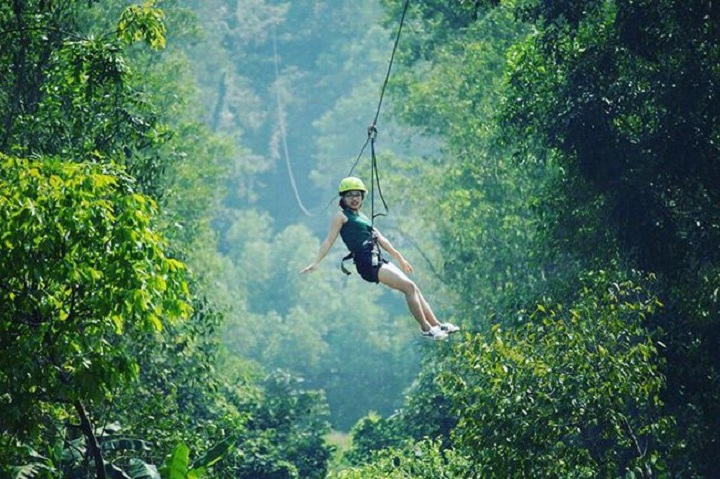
335, 225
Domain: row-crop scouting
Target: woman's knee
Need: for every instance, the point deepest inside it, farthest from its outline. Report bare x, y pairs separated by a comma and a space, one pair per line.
397, 280
409, 287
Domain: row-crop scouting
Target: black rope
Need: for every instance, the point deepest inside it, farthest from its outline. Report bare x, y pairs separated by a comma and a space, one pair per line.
375, 179
372, 130
392, 59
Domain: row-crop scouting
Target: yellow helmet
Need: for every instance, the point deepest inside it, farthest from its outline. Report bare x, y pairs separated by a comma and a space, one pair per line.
351, 183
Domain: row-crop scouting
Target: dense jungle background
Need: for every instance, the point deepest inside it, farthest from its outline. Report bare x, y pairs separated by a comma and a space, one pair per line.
551, 169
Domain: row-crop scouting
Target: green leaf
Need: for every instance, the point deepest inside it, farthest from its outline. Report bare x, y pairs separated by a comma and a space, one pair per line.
125, 444
215, 453
140, 470
176, 464
30, 471
114, 472
143, 22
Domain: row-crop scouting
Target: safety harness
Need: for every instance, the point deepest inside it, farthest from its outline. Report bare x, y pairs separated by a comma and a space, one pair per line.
376, 256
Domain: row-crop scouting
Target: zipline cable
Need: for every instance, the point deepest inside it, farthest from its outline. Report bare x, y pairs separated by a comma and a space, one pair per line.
372, 130
390, 64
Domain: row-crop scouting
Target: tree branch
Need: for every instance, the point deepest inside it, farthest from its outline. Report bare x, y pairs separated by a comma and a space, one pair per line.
93, 446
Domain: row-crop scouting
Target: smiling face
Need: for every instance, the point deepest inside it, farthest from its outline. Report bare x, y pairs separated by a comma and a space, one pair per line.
353, 199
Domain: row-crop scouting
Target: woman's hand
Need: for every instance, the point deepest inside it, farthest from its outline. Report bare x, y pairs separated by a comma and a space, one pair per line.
404, 265
387, 246
309, 268
335, 225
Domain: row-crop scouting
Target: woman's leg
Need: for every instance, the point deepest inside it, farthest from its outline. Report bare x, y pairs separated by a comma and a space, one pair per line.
428, 312
392, 276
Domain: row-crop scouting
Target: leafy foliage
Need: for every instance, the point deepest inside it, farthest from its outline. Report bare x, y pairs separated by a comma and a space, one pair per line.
371, 433
422, 460
619, 72
630, 106
79, 255
579, 139
285, 434
69, 231
84, 274
574, 391
142, 22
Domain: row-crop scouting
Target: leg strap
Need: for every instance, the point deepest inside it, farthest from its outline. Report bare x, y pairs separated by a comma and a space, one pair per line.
342, 263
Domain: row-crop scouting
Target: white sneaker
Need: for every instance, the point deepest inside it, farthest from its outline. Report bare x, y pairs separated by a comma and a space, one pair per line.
435, 333
449, 328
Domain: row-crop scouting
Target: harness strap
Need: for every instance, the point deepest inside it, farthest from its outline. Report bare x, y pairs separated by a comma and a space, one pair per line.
376, 256
342, 264
376, 253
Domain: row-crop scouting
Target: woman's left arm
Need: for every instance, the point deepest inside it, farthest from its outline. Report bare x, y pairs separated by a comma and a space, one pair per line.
387, 246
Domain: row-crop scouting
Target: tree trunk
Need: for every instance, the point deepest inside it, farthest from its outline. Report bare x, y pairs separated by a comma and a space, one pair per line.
92, 442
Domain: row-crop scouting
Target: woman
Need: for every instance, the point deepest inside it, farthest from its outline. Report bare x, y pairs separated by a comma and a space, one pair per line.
362, 240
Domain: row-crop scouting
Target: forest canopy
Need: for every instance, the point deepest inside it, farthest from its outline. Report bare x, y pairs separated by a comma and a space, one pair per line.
551, 170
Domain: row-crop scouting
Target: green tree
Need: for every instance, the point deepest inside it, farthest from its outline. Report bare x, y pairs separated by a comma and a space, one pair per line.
623, 109
476, 198
629, 106
424, 459
286, 429
31, 31
94, 95
84, 272
79, 99
574, 391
